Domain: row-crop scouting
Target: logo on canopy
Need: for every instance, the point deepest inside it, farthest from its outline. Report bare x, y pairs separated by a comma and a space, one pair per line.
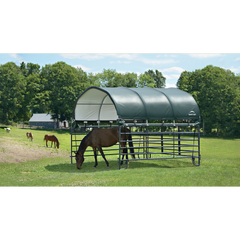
192, 113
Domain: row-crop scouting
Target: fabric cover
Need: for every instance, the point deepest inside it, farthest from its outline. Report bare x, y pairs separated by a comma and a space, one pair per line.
110, 104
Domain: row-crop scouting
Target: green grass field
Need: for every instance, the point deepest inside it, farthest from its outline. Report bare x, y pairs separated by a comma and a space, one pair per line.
220, 165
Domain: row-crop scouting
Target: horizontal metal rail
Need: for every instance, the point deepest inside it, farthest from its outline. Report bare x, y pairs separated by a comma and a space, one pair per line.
164, 145
180, 140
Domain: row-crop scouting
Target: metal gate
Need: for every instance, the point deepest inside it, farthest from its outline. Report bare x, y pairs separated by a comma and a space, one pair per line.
163, 141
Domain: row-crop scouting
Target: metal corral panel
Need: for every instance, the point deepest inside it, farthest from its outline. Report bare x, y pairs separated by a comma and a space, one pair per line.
110, 104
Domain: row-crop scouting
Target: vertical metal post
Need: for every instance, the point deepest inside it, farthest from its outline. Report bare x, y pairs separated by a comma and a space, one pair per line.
173, 141
162, 138
199, 155
119, 136
179, 141
144, 144
147, 143
71, 141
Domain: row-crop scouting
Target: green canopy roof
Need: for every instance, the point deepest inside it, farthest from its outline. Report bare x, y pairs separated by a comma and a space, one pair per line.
106, 104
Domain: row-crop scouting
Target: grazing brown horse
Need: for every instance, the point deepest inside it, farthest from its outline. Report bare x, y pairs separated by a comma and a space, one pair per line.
51, 138
99, 138
29, 135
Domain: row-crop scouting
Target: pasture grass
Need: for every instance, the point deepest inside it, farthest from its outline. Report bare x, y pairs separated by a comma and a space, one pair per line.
220, 166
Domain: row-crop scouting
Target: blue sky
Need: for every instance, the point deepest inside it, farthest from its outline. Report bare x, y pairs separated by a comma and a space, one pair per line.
171, 65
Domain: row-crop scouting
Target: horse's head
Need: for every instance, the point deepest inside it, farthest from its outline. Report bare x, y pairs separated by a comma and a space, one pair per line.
79, 159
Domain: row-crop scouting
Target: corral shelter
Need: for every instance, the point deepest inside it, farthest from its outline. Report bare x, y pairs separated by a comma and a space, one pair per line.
177, 111
111, 104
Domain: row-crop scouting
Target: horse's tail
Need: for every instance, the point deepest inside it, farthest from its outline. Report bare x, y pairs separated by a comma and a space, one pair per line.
44, 138
130, 143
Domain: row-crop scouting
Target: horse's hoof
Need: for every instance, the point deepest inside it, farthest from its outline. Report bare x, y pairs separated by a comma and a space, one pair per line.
94, 167
108, 167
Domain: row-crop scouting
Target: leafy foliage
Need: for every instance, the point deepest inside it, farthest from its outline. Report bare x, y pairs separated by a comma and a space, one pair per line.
28, 89
216, 91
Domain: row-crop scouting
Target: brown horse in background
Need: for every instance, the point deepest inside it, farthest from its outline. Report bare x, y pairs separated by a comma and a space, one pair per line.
99, 138
51, 138
29, 135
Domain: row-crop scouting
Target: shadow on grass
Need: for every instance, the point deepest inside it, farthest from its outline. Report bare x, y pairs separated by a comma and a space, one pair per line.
88, 166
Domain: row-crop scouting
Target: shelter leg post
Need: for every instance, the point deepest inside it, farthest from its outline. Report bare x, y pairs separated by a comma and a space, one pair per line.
179, 142
162, 139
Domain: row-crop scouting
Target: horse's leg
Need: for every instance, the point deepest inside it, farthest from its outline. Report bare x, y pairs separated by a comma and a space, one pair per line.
95, 156
46, 143
101, 151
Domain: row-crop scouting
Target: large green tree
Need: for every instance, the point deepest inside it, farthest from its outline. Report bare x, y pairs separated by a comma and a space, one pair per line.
159, 79
12, 89
146, 80
112, 78
63, 84
34, 96
216, 92
152, 79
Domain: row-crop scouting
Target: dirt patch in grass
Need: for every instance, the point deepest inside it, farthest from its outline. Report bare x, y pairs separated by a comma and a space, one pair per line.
14, 152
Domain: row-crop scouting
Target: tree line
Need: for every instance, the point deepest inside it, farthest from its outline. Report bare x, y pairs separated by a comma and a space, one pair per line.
54, 88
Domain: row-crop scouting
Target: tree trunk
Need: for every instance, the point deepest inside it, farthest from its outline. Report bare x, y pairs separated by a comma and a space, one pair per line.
204, 131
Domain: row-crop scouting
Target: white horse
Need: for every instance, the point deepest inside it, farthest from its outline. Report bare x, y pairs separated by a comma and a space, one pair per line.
8, 130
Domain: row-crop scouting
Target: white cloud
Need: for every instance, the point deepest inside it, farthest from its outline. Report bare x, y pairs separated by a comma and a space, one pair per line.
136, 57
123, 72
167, 76
237, 59
17, 57
168, 55
125, 62
173, 69
168, 85
155, 62
176, 76
232, 69
205, 55
127, 56
82, 56
138, 73
171, 76
82, 67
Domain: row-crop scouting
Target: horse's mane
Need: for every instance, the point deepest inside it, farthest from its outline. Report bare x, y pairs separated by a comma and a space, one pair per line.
56, 138
83, 141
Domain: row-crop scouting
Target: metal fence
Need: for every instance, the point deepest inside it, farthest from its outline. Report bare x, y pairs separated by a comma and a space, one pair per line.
164, 141
150, 142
